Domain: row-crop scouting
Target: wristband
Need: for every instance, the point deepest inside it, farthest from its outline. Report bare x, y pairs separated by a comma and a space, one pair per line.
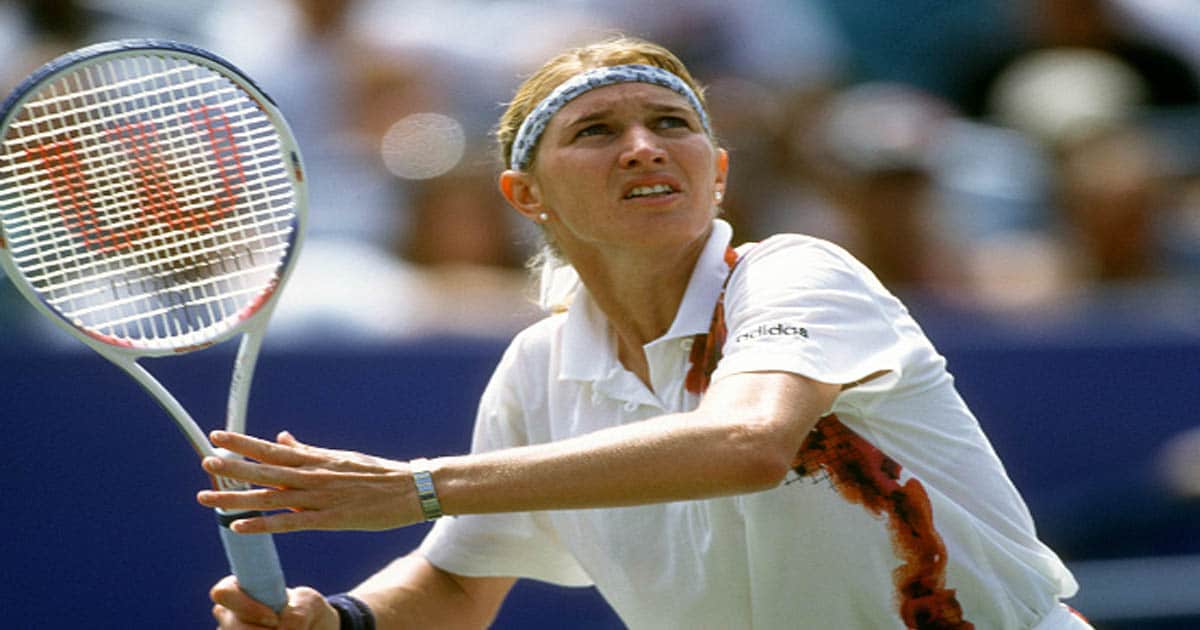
353, 613
431, 507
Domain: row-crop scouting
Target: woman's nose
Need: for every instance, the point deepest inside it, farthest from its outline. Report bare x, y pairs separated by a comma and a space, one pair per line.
642, 147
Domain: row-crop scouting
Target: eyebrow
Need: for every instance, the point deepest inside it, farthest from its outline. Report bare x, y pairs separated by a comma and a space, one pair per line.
660, 108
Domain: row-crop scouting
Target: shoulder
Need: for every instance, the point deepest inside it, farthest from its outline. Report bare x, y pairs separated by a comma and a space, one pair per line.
519, 379
801, 260
795, 245
534, 344
540, 334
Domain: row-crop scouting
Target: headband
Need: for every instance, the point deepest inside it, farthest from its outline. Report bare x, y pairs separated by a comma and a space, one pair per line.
535, 123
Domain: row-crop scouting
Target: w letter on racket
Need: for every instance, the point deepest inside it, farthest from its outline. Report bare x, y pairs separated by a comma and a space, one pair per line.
159, 203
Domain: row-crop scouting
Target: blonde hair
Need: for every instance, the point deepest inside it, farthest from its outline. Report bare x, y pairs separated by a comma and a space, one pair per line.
615, 51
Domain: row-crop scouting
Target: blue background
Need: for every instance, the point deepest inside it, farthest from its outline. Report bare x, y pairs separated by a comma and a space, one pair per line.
102, 529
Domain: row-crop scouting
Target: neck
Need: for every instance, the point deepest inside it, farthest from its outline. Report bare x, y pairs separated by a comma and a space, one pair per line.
640, 296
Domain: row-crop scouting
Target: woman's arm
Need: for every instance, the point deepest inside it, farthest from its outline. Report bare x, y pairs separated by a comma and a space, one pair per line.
742, 438
412, 593
408, 593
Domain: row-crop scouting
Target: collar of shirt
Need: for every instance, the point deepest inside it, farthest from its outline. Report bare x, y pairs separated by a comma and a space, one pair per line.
588, 351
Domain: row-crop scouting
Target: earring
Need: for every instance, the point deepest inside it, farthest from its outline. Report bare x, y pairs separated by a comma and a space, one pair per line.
718, 195
543, 217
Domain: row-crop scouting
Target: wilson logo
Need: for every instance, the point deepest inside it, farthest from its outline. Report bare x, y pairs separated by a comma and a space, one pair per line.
160, 207
776, 330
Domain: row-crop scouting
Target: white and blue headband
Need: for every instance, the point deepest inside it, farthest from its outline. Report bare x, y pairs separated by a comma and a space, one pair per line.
535, 123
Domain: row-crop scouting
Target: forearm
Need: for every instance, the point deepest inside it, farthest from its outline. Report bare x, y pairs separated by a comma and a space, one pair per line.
670, 458
412, 593
743, 438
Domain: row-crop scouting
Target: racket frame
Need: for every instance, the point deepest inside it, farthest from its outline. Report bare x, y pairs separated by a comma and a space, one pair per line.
252, 557
253, 321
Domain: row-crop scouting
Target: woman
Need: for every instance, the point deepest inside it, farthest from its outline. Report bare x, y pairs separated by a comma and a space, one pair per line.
715, 437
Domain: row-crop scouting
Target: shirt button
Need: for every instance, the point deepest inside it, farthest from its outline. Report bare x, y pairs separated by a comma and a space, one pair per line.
631, 406
686, 344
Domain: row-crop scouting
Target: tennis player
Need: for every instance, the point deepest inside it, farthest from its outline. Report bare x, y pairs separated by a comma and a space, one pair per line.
715, 437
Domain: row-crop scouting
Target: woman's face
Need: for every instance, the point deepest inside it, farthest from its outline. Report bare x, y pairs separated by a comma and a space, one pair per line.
626, 166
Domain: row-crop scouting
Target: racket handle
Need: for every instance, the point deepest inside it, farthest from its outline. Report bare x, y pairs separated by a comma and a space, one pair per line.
254, 561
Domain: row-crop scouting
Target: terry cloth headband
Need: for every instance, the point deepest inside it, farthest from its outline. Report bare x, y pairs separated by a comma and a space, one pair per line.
535, 123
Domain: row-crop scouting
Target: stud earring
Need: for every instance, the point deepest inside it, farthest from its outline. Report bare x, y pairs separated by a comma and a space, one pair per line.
718, 195
543, 217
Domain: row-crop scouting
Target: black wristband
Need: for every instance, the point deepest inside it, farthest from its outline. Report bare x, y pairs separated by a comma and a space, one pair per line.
353, 613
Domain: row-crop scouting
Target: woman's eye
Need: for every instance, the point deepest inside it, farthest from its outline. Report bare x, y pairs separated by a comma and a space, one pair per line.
671, 122
592, 130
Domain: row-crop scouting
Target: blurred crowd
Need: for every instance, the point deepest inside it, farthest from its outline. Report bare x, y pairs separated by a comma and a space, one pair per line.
1032, 162
999, 156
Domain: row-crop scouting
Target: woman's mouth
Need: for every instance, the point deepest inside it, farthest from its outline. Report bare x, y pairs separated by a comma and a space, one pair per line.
656, 190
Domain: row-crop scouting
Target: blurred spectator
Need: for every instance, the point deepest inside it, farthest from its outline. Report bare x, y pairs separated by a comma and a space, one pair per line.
467, 249
1174, 23
1180, 462
1055, 181
1111, 189
756, 122
36, 31
1113, 182
1079, 88
1180, 231
1072, 25
439, 242
458, 219
928, 44
871, 150
790, 44
1058, 96
311, 62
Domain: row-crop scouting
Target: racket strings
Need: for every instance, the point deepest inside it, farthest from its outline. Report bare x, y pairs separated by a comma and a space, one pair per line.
109, 170
147, 199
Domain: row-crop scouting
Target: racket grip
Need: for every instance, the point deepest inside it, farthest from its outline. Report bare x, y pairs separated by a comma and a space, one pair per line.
254, 561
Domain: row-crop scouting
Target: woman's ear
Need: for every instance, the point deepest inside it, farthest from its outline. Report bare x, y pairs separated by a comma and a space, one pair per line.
722, 168
520, 191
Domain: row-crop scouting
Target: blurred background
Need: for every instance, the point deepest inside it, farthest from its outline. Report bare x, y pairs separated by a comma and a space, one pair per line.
1025, 174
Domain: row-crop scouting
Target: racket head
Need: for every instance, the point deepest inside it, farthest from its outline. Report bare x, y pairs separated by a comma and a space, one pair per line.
152, 196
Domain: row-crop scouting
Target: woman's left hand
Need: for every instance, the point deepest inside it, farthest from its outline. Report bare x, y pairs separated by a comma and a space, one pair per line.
317, 488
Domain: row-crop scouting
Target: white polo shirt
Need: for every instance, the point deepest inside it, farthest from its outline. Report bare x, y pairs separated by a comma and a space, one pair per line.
898, 509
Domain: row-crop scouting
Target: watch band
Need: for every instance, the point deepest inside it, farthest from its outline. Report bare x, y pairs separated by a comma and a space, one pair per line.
431, 507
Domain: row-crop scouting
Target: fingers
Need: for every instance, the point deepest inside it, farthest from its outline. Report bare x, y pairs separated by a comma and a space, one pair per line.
227, 620
307, 608
234, 609
304, 511
261, 450
290, 452
288, 439
261, 474
268, 499
307, 487
238, 500
284, 522
363, 504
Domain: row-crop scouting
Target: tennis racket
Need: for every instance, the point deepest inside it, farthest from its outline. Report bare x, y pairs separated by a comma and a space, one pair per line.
152, 203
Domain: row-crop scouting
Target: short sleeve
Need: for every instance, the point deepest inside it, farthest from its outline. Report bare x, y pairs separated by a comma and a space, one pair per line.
802, 305
517, 544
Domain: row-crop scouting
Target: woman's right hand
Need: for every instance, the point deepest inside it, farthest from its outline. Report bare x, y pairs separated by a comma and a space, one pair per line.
235, 610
